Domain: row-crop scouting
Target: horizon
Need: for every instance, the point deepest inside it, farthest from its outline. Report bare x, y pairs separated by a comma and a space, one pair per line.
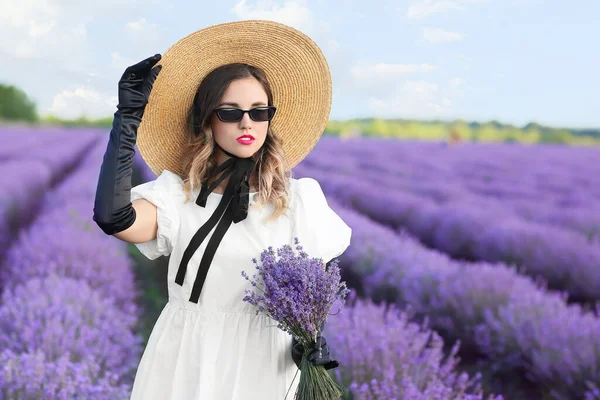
450, 121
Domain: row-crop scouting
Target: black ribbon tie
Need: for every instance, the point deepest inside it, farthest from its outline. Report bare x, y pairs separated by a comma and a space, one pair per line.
232, 208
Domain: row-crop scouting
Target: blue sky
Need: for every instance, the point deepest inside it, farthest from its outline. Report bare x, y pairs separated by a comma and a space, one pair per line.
512, 60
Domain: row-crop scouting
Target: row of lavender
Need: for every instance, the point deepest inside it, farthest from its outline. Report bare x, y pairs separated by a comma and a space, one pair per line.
547, 184
67, 311
28, 173
397, 359
472, 227
18, 142
569, 175
517, 324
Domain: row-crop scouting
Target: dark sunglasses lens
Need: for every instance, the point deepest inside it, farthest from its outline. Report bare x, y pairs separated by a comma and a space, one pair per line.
261, 114
231, 115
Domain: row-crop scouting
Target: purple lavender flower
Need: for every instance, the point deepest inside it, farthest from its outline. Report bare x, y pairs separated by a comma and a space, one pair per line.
60, 241
60, 315
383, 356
298, 292
31, 375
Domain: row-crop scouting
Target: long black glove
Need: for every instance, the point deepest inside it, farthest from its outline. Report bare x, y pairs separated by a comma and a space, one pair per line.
313, 357
113, 211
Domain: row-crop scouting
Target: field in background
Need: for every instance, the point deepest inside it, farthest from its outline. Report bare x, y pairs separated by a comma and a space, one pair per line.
485, 251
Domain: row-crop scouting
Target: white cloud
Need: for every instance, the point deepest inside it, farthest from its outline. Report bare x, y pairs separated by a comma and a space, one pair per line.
143, 35
83, 100
54, 30
380, 79
48, 50
438, 35
333, 45
368, 74
120, 63
41, 30
424, 8
397, 90
293, 13
413, 99
137, 26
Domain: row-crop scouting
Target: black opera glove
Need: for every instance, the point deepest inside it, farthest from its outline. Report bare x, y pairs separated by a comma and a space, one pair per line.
113, 211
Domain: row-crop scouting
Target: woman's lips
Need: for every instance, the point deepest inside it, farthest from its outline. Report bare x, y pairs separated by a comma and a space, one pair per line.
245, 140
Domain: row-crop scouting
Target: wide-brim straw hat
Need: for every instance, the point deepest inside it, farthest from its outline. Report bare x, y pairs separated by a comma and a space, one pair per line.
294, 65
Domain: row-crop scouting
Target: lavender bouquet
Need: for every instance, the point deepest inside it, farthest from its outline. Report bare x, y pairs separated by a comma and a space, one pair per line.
298, 292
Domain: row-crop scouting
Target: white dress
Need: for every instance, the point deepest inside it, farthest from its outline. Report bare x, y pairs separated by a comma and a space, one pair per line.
218, 348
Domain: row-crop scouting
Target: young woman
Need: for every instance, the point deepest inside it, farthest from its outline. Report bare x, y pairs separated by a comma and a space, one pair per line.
223, 194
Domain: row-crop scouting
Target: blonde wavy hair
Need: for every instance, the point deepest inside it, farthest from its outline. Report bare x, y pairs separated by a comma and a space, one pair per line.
271, 173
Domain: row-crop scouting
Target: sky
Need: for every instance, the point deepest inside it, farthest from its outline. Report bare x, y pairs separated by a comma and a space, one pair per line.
515, 61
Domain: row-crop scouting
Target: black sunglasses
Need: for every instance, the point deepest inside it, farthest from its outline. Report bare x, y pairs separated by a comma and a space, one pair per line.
258, 114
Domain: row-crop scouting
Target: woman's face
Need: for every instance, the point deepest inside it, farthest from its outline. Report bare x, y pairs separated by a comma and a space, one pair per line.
245, 93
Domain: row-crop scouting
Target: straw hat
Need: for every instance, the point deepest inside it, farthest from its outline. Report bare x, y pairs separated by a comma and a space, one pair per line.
295, 68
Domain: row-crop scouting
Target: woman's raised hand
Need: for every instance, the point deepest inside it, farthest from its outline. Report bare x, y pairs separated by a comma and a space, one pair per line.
136, 84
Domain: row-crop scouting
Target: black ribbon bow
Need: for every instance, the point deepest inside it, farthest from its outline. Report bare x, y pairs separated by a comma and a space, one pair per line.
233, 208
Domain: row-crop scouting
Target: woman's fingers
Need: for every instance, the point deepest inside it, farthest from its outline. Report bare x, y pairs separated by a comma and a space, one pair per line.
142, 68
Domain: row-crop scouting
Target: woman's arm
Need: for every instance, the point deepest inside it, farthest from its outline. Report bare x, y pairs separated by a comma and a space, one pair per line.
113, 211
145, 226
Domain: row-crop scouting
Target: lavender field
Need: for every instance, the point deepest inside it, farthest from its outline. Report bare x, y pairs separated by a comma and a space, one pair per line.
474, 269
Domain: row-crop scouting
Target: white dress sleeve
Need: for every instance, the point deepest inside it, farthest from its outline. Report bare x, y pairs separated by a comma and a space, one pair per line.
166, 193
321, 231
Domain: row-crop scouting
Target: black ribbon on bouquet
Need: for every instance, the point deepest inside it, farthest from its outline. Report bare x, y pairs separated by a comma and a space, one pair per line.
232, 208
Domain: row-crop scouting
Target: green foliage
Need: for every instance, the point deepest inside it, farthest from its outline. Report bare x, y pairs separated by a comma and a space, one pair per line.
81, 121
15, 105
461, 130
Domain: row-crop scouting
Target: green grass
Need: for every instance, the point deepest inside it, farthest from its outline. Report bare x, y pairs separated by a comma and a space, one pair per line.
151, 286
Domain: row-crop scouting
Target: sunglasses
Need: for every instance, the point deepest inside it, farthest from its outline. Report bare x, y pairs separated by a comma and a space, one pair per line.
258, 114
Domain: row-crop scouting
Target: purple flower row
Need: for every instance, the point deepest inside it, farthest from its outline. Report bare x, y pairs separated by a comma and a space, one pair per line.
544, 184
67, 316
28, 175
18, 141
509, 318
23, 185
566, 260
383, 356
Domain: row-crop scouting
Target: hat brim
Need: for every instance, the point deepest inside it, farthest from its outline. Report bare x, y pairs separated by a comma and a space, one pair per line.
294, 66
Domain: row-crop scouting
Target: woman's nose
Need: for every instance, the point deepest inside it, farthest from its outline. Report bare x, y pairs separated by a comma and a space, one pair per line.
246, 120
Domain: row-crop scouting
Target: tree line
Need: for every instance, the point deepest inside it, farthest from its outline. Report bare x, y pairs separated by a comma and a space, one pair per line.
16, 106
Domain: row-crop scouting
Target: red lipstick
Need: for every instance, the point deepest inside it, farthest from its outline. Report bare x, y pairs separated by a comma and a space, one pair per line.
246, 139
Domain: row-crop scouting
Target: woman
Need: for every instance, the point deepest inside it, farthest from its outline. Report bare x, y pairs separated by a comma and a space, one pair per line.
224, 193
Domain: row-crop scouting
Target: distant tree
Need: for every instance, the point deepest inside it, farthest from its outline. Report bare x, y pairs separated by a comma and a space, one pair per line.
533, 126
15, 105
557, 136
496, 124
586, 132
